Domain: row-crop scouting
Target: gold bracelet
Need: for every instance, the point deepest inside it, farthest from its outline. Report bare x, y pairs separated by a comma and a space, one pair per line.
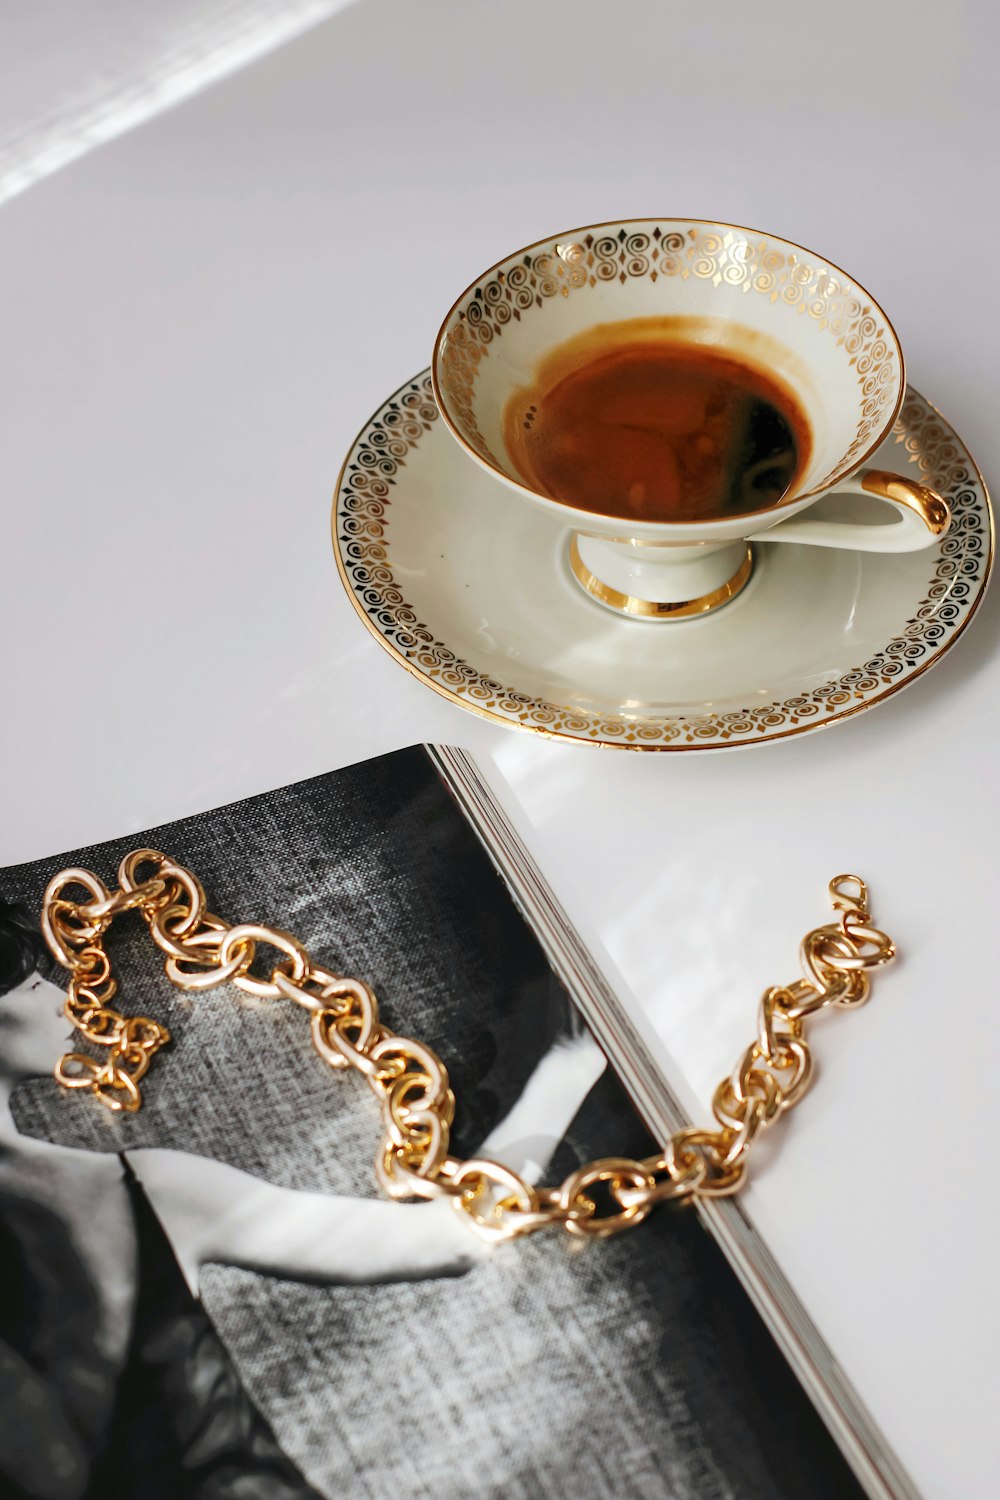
203, 951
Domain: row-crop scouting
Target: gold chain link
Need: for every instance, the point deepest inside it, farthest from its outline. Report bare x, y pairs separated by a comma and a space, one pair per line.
202, 951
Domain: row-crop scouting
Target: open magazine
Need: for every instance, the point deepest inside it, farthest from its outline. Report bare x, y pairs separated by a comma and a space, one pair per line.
210, 1298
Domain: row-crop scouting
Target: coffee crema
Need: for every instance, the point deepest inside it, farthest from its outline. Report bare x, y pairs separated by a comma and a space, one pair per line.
656, 428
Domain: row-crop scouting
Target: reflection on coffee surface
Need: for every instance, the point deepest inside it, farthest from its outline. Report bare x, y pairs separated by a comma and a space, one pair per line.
656, 430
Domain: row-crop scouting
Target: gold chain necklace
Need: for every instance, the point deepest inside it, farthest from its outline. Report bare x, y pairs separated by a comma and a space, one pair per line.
410, 1081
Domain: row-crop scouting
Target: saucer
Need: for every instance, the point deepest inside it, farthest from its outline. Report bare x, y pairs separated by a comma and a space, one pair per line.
470, 589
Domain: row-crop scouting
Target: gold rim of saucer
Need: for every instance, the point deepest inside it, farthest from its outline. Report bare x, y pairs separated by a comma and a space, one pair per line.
652, 609
377, 613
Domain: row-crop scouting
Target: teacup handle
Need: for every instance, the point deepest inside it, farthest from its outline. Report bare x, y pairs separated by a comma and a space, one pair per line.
924, 516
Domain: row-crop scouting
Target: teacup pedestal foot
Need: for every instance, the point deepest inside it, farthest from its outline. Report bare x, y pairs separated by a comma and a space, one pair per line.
650, 582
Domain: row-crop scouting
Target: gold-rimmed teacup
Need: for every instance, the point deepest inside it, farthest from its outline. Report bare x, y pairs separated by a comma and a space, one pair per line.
799, 318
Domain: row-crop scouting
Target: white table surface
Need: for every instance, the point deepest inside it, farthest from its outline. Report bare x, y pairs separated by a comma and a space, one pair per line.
197, 319
75, 74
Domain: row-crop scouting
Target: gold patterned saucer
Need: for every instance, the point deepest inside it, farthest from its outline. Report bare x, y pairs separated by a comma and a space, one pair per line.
471, 591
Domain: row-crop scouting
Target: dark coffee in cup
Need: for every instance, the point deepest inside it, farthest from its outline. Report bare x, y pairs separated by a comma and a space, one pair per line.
653, 426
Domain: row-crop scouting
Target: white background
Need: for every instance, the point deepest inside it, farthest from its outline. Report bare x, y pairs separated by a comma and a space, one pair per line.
197, 319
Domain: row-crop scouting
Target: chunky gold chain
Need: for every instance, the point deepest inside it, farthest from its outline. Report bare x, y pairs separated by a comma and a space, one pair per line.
202, 951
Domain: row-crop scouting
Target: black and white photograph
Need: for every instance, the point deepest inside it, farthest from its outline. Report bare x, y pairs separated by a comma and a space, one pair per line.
215, 1300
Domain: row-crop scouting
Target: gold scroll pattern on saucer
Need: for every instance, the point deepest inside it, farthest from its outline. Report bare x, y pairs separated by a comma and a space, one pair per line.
202, 951
957, 567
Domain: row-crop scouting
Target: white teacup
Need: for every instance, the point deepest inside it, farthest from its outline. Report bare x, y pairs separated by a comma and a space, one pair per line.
783, 308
